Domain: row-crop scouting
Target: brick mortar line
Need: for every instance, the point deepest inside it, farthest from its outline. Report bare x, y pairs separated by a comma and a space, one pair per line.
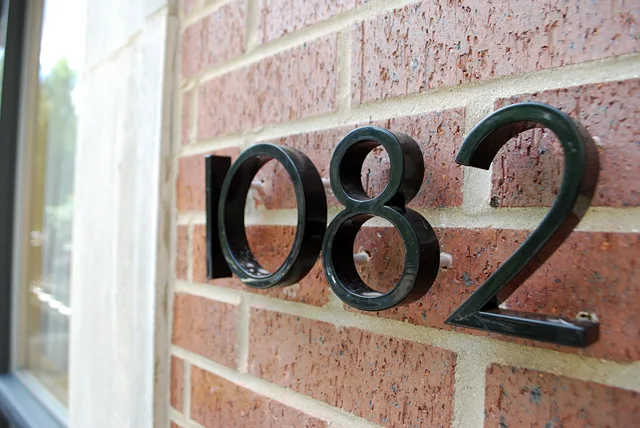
611, 69
252, 23
186, 393
469, 391
195, 149
179, 419
612, 373
242, 345
194, 111
476, 183
598, 219
200, 11
343, 95
288, 397
189, 252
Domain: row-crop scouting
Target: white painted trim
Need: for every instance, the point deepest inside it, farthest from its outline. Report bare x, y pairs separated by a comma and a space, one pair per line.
120, 285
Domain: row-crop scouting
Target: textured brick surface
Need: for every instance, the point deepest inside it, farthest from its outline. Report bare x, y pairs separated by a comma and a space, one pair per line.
181, 250
185, 127
213, 39
292, 85
528, 171
177, 383
431, 44
385, 380
216, 402
190, 186
271, 244
439, 135
594, 272
205, 327
518, 397
278, 17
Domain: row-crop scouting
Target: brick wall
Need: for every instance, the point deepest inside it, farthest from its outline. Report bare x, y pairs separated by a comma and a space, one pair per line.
302, 74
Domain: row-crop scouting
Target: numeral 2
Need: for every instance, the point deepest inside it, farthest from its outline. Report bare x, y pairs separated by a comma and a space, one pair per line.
481, 310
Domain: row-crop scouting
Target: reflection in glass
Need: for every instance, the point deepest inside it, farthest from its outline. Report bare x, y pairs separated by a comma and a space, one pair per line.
48, 263
4, 8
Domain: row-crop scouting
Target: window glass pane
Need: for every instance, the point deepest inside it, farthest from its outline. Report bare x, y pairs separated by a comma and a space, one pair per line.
3, 39
48, 266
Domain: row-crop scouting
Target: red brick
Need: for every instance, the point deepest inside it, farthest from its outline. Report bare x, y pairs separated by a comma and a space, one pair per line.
591, 271
270, 244
216, 402
439, 135
205, 327
181, 252
213, 39
175, 425
294, 84
177, 383
528, 171
432, 44
518, 397
185, 128
379, 378
190, 186
278, 17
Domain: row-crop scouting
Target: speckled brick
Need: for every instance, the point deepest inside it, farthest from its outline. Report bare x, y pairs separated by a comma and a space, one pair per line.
592, 271
270, 244
213, 39
177, 383
439, 135
190, 186
517, 397
216, 402
528, 171
385, 380
185, 126
432, 44
291, 85
205, 327
278, 17
181, 252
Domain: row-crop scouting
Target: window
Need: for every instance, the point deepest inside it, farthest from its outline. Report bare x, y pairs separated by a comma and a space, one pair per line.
38, 92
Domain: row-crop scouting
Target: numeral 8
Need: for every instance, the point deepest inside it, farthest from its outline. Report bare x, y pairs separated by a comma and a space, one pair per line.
422, 251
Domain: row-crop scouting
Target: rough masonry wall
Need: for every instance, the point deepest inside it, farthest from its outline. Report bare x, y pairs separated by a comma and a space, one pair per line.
303, 74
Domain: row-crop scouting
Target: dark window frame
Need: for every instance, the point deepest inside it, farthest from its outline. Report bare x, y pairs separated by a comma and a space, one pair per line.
19, 407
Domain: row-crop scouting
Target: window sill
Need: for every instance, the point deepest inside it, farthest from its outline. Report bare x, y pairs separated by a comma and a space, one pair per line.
21, 408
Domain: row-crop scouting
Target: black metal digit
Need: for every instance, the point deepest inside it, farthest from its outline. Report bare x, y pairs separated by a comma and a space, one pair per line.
422, 250
229, 216
216, 168
481, 310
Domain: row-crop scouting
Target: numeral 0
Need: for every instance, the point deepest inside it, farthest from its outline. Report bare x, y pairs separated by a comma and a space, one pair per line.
228, 251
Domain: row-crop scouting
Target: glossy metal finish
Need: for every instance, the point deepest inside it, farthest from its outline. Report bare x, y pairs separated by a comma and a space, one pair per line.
312, 216
581, 170
422, 251
216, 168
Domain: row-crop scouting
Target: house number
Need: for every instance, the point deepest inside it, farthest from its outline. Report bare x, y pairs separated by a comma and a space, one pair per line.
228, 251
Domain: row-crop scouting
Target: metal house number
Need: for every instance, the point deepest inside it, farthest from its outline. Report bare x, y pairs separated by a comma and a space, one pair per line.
228, 251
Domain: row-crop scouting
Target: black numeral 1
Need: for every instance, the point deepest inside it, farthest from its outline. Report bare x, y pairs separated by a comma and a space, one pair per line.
226, 236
